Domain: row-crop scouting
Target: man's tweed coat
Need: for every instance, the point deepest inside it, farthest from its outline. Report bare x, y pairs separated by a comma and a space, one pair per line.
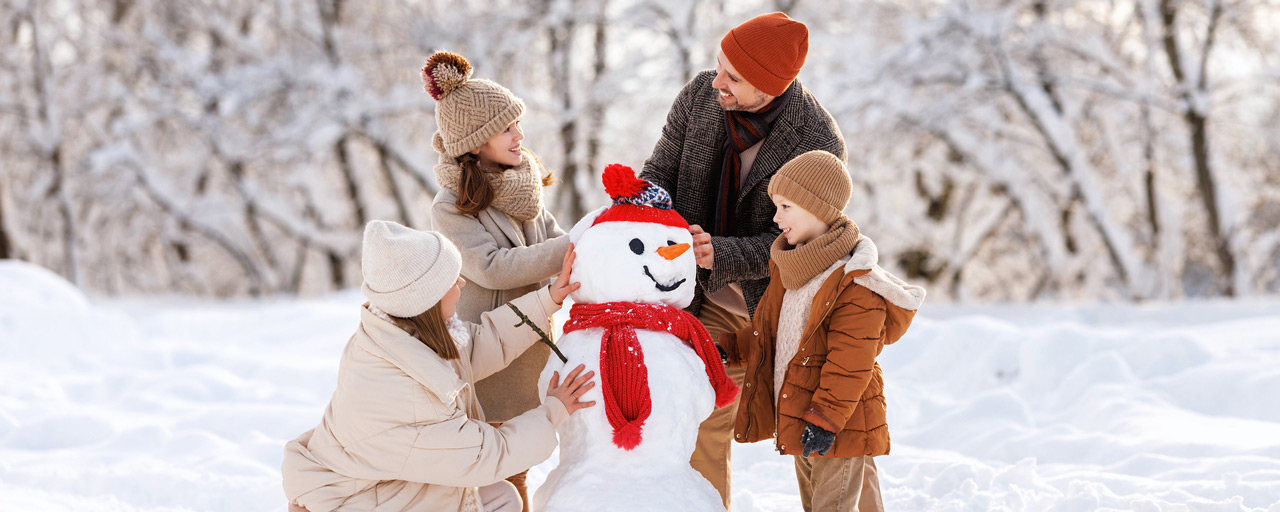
687, 162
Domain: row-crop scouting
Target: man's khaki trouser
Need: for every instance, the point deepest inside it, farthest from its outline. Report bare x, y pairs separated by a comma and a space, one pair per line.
715, 435
831, 484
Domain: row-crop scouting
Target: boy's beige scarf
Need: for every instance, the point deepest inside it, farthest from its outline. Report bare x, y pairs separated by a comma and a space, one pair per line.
797, 265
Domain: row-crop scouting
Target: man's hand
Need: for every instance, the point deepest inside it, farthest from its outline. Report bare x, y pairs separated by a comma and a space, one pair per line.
703, 253
816, 439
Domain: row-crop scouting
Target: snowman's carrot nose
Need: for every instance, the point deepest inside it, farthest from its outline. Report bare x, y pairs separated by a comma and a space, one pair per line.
671, 252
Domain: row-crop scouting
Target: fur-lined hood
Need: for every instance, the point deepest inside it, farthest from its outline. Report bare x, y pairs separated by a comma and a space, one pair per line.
906, 298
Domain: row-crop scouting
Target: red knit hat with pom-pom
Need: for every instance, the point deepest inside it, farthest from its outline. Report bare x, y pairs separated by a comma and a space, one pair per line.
637, 200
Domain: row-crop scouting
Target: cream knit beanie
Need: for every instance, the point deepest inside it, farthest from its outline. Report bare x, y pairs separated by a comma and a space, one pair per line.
468, 112
406, 271
816, 181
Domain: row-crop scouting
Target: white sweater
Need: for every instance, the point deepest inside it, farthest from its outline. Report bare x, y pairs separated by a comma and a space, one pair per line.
792, 320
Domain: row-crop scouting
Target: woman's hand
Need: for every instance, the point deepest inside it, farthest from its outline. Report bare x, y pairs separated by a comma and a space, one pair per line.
562, 287
703, 253
574, 387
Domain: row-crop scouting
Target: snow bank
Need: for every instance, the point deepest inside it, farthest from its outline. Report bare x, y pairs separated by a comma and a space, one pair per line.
171, 404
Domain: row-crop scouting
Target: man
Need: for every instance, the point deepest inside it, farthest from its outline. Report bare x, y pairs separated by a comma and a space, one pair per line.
727, 133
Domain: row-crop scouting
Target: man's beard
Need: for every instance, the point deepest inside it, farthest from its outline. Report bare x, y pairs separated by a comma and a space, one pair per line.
760, 101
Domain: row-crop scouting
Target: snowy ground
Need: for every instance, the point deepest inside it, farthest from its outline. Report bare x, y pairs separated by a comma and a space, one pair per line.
184, 405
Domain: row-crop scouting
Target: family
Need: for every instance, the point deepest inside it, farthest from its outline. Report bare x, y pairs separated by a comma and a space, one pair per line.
787, 287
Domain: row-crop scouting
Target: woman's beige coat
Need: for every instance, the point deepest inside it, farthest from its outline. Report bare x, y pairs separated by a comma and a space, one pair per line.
502, 258
403, 431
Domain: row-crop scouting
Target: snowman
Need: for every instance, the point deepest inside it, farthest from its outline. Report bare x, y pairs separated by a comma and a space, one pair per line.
659, 373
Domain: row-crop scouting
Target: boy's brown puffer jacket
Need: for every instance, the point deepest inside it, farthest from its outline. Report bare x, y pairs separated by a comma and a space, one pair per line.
833, 381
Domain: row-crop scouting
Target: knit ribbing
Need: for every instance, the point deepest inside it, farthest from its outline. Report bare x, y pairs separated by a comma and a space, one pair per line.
406, 271
517, 191
797, 265
768, 51
816, 181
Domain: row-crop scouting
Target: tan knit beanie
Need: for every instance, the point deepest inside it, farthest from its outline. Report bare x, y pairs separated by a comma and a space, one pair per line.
468, 112
816, 181
406, 271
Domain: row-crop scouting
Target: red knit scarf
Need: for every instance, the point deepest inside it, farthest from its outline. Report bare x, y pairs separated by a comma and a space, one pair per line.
624, 380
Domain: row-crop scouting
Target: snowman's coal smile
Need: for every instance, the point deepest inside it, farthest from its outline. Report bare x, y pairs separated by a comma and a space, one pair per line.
660, 286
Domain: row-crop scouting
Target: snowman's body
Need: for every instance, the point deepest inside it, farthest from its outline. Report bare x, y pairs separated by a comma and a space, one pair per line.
595, 475
620, 262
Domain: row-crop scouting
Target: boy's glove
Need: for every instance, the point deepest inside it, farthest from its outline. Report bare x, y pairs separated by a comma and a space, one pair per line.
816, 439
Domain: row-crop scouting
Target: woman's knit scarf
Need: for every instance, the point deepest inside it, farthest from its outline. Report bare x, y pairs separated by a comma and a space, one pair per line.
517, 191
800, 264
624, 379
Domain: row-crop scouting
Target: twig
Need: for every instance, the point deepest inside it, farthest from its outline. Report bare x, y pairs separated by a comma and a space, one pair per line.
542, 335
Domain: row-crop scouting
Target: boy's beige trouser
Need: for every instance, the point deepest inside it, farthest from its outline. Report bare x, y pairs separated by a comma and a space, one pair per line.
830, 484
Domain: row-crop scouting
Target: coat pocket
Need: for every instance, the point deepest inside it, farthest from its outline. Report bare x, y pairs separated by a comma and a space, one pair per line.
806, 371
803, 376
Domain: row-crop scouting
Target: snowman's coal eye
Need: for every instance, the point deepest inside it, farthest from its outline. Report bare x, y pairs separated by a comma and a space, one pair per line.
637, 246
671, 242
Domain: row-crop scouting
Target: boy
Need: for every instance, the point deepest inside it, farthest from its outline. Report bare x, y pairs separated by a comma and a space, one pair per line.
813, 384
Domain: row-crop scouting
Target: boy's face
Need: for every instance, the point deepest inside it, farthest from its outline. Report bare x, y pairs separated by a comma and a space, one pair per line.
797, 224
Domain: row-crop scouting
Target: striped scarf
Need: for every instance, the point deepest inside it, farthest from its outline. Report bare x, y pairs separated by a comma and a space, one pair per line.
744, 129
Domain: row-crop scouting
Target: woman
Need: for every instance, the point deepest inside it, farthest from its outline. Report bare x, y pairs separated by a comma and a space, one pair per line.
403, 431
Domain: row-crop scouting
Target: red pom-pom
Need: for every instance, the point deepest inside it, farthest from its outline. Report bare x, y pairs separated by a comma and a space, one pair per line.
620, 181
627, 437
726, 392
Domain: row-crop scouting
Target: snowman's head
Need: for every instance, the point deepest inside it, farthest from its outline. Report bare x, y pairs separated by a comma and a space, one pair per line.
636, 250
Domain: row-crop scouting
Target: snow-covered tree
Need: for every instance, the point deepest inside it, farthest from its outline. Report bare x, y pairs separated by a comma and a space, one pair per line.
1054, 150
1001, 149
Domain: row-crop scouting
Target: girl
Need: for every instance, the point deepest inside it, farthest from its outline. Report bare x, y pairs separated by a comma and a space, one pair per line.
403, 431
490, 206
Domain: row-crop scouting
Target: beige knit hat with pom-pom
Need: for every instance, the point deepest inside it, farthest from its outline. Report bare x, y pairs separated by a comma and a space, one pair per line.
468, 111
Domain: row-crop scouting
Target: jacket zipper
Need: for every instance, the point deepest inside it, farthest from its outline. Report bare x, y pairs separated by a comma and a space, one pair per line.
803, 343
759, 346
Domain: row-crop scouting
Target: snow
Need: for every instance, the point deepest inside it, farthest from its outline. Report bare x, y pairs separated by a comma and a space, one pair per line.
607, 258
179, 404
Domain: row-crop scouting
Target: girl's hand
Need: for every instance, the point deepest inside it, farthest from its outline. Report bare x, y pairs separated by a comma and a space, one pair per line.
703, 253
562, 287
575, 386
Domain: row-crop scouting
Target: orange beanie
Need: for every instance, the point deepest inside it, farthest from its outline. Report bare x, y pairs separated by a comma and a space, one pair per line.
768, 51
